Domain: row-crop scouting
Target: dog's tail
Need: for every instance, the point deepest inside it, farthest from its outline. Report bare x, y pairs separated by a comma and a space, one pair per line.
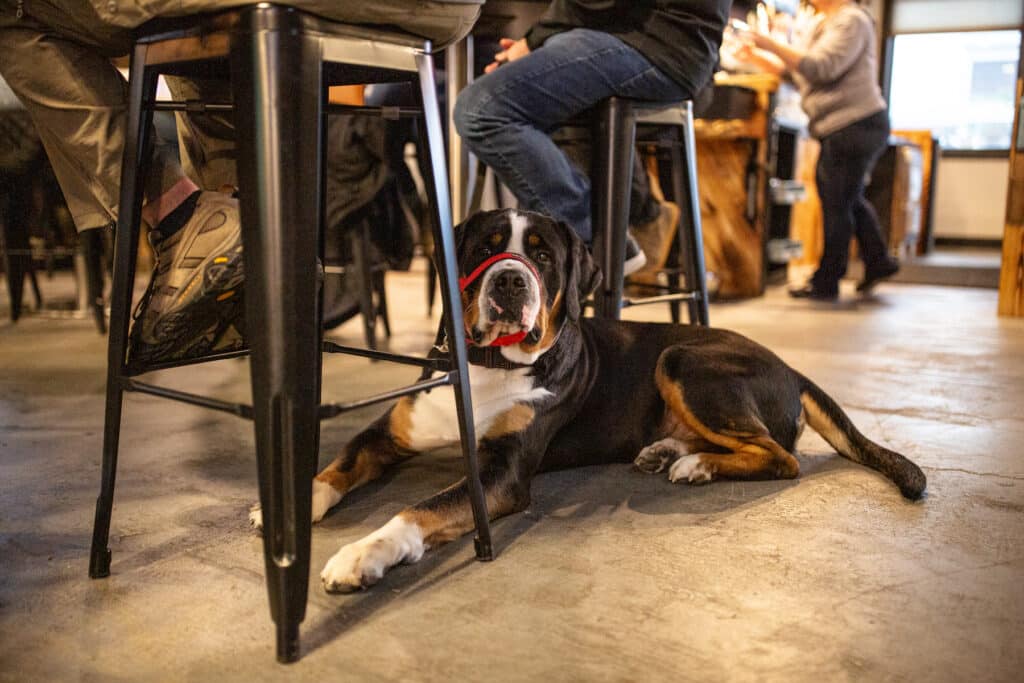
826, 417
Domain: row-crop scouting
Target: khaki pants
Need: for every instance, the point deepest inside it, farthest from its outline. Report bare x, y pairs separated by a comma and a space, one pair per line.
55, 55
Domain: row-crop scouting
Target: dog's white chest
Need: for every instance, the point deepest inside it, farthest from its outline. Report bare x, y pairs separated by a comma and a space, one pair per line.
434, 422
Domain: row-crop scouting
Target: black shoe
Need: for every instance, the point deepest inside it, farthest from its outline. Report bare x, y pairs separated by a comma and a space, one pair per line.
808, 291
873, 278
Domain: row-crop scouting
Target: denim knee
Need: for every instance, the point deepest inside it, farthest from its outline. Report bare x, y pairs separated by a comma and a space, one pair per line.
470, 113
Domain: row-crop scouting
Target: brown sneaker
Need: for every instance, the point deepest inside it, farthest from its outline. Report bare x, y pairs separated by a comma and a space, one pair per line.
655, 238
193, 305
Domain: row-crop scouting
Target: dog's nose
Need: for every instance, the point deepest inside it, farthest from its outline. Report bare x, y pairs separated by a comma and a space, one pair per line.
510, 283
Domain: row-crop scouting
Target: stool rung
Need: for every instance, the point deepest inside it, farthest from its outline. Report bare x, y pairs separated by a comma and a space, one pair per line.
439, 364
224, 355
239, 409
191, 106
328, 410
663, 298
389, 113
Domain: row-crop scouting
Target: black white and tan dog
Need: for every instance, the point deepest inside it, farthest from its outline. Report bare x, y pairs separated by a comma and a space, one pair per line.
569, 391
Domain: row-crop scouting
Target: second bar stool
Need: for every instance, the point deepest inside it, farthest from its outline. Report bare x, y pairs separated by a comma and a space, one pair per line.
615, 122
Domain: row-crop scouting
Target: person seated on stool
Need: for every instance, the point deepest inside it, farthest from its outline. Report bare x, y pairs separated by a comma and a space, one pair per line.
56, 59
836, 74
580, 53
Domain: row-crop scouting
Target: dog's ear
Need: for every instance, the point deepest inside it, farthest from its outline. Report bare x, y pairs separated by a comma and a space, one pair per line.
461, 230
582, 276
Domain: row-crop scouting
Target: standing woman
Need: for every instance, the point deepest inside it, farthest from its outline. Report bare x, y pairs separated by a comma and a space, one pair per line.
837, 76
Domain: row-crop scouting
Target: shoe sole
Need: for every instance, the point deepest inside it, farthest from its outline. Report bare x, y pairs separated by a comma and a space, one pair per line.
195, 328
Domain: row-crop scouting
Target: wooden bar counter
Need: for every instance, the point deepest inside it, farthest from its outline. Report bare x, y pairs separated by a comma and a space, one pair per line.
731, 162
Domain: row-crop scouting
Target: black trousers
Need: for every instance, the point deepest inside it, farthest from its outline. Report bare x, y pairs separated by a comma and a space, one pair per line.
846, 159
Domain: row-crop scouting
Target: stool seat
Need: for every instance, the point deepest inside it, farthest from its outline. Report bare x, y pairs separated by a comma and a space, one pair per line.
280, 62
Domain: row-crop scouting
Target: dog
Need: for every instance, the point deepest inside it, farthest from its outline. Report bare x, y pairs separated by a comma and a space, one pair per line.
552, 389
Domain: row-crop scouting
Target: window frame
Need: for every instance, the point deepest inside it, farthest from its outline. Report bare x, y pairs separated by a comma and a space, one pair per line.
886, 67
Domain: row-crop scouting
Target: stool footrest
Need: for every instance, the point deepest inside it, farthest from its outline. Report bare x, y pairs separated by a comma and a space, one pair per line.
239, 409
325, 411
439, 364
131, 371
660, 299
329, 410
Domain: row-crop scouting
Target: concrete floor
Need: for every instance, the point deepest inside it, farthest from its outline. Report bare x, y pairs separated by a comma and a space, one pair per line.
611, 575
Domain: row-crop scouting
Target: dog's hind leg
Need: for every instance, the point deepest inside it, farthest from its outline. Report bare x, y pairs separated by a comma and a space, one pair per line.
750, 461
660, 454
437, 520
750, 450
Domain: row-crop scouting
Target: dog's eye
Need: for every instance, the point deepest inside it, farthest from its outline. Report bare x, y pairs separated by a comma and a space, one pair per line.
542, 257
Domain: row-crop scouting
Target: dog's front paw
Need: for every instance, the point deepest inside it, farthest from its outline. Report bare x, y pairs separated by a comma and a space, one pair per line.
363, 563
690, 468
353, 567
256, 517
325, 497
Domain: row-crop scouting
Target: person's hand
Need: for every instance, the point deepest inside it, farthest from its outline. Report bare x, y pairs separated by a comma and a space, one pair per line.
744, 51
759, 40
511, 50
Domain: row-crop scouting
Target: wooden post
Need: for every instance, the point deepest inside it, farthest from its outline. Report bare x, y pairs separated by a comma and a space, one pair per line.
1011, 278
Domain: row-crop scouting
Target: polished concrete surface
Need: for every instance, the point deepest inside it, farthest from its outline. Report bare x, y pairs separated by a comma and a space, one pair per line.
611, 575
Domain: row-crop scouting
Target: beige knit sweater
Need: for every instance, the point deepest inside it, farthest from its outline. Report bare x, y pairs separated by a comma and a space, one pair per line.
838, 76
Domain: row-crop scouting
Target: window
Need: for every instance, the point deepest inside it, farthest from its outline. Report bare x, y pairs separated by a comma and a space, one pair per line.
959, 85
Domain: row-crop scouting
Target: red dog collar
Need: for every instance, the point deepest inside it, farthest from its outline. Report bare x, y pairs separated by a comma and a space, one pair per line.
464, 282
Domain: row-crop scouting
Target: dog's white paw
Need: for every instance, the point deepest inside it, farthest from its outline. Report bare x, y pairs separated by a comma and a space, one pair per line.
256, 517
690, 468
363, 563
656, 457
325, 497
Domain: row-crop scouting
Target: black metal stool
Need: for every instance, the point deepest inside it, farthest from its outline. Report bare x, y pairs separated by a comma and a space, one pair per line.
616, 121
280, 62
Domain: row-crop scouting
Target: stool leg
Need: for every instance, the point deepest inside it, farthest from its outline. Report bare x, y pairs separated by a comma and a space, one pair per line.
685, 272
669, 166
134, 166
444, 250
276, 78
92, 248
689, 222
380, 287
364, 273
17, 265
615, 135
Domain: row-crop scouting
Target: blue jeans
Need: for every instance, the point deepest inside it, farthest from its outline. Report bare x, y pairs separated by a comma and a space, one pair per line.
505, 117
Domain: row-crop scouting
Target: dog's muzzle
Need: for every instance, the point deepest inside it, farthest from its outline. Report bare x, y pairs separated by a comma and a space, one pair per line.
509, 297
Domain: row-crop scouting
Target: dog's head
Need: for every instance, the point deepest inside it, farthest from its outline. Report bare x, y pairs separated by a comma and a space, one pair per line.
523, 276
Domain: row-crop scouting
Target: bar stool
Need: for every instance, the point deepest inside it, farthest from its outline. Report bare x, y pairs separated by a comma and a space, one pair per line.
615, 123
280, 61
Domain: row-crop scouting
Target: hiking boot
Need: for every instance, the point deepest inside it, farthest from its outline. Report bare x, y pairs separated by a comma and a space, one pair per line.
655, 238
193, 305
